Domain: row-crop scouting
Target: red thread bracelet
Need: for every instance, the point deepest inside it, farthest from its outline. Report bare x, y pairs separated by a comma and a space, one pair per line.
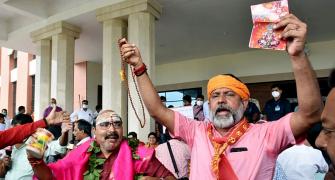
141, 70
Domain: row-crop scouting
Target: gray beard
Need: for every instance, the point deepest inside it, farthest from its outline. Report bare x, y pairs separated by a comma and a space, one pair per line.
229, 120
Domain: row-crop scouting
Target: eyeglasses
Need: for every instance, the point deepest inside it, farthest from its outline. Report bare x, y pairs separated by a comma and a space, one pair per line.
114, 121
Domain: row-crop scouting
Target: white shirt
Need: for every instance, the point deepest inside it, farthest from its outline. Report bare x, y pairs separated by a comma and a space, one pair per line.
21, 168
85, 115
300, 162
205, 108
2, 127
8, 122
83, 141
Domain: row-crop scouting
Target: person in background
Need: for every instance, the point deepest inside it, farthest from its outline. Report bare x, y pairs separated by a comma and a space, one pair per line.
276, 107
133, 137
8, 121
83, 113
187, 100
56, 129
252, 112
301, 161
198, 108
2, 122
98, 108
21, 110
82, 131
152, 140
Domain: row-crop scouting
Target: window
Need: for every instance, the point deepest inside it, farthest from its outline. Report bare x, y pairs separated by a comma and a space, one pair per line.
175, 97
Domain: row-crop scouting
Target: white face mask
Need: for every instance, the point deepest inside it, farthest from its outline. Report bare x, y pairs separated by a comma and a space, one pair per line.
53, 105
275, 94
200, 103
85, 106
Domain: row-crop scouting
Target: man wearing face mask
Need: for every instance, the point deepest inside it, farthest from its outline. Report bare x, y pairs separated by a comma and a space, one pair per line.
53, 103
198, 108
229, 148
83, 113
8, 121
276, 107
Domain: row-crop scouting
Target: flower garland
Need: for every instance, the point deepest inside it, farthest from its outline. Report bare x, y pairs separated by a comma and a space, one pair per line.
95, 164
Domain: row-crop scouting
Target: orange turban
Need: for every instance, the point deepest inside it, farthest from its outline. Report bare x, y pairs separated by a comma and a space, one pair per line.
226, 81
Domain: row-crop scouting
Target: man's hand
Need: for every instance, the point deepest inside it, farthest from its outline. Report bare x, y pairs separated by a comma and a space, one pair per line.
295, 32
57, 117
130, 53
7, 161
66, 127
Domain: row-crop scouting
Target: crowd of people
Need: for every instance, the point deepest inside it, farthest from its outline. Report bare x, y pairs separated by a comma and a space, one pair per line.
227, 139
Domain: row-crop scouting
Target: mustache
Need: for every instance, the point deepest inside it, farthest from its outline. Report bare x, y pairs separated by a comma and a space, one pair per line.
112, 135
223, 107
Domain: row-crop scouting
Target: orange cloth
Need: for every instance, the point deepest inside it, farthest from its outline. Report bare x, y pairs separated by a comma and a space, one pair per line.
226, 81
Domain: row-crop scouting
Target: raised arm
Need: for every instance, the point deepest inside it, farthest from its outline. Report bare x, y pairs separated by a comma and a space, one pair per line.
309, 98
148, 92
17, 134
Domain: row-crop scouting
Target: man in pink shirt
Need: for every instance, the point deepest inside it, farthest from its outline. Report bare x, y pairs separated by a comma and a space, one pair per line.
228, 147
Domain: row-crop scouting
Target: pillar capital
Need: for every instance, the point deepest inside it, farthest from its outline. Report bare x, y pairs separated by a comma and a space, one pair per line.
60, 27
125, 8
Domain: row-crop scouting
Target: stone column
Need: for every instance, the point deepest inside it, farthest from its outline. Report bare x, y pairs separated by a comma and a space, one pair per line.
140, 15
141, 32
60, 37
113, 89
42, 77
63, 55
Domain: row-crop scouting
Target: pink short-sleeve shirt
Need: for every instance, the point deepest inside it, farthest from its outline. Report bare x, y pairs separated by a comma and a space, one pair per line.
260, 147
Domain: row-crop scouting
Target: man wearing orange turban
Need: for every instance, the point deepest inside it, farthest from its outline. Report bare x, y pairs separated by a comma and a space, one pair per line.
230, 148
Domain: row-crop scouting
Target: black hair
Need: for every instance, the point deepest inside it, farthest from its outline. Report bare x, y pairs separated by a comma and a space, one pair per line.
84, 126
187, 98
56, 130
154, 134
22, 119
84, 101
98, 107
21, 108
2, 116
200, 96
163, 98
134, 134
276, 86
331, 79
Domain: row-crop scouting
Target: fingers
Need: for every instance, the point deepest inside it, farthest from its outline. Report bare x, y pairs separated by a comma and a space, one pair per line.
51, 114
293, 27
288, 19
122, 41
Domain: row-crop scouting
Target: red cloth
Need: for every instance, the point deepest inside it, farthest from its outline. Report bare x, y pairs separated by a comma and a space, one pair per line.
19, 133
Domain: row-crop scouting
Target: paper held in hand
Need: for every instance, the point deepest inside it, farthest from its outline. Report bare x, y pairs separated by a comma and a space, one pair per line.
264, 16
185, 110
